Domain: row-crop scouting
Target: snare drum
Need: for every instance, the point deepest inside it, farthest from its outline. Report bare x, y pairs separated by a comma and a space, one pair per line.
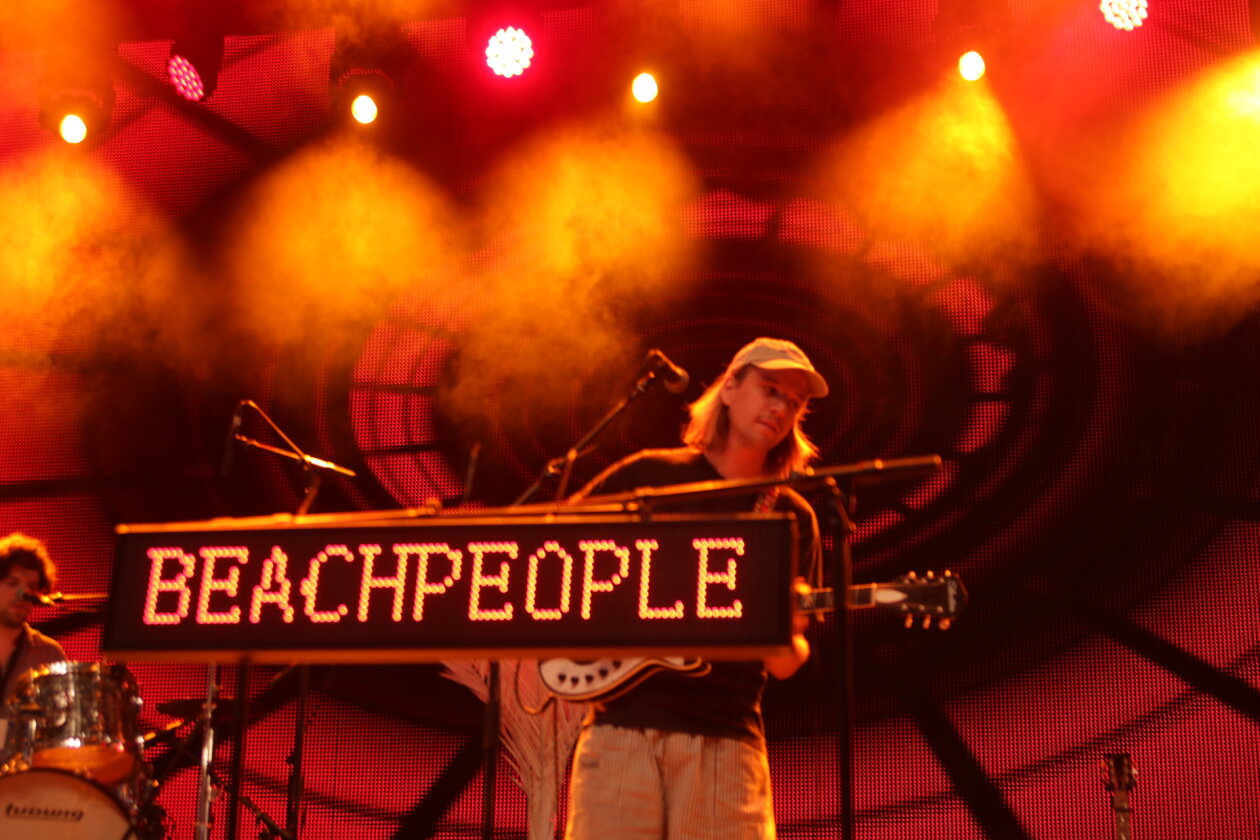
77, 716
58, 805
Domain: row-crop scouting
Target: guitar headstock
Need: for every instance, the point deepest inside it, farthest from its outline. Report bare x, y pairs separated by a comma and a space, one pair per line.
930, 599
1118, 772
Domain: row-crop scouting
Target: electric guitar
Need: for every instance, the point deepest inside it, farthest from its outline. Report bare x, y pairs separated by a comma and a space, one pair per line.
922, 600
1120, 778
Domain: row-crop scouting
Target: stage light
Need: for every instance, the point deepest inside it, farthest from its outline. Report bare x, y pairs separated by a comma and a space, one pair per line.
1124, 14
364, 78
971, 66
644, 87
364, 95
73, 129
193, 68
76, 94
76, 117
185, 79
509, 52
364, 109
973, 35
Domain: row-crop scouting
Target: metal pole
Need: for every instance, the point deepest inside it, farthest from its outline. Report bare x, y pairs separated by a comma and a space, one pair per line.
238, 754
842, 575
293, 810
490, 752
205, 820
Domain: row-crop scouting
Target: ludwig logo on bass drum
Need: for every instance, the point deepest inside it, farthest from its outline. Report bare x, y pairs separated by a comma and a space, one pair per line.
35, 812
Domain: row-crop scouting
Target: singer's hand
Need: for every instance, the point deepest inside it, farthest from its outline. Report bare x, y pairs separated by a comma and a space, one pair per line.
787, 664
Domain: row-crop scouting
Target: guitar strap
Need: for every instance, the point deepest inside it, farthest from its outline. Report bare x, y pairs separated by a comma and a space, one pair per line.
767, 500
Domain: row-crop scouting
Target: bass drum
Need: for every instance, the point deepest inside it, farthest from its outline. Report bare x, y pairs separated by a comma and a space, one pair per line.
57, 805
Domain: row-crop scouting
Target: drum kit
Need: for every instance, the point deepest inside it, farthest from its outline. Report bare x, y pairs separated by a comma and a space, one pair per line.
72, 764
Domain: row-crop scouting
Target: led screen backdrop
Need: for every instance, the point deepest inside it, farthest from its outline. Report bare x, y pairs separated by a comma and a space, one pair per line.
1046, 277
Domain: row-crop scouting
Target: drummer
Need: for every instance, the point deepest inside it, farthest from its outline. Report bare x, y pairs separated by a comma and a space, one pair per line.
25, 568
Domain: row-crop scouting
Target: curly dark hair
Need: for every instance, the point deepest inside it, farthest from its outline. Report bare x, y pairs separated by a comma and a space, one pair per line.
20, 550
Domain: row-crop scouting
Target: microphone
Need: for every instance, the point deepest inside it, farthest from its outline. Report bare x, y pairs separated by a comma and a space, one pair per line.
673, 377
229, 445
25, 594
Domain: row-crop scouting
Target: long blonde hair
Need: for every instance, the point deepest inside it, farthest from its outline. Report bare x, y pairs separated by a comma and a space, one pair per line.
710, 425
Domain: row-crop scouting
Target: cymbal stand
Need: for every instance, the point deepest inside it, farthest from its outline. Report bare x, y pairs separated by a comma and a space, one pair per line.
205, 789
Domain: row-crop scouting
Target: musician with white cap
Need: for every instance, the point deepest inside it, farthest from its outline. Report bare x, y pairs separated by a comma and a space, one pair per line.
681, 755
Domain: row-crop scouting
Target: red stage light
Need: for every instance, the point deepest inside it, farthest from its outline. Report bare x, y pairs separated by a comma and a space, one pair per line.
185, 78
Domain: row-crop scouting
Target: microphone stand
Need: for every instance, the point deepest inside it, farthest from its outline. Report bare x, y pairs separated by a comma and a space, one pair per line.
839, 519
54, 598
313, 469
563, 465
310, 464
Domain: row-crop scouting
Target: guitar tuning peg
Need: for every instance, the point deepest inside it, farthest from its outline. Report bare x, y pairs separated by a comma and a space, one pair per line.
911, 576
909, 621
948, 573
927, 622
944, 624
931, 574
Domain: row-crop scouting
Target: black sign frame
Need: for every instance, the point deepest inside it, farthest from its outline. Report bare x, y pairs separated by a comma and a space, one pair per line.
215, 591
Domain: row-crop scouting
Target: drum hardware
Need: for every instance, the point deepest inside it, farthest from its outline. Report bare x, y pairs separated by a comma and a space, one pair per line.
270, 828
226, 712
189, 710
209, 783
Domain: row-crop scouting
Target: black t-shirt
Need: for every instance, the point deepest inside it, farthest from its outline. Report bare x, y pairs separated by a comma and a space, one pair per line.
726, 701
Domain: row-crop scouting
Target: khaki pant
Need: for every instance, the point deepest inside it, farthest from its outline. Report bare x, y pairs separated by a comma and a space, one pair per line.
632, 783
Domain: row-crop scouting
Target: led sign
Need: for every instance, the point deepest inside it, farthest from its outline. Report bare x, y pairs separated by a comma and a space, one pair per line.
441, 587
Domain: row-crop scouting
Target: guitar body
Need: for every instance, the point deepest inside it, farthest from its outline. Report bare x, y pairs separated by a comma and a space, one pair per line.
571, 679
919, 600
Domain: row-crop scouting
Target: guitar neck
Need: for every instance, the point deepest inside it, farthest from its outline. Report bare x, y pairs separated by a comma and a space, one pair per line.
1123, 813
861, 596
864, 595
1120, 779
